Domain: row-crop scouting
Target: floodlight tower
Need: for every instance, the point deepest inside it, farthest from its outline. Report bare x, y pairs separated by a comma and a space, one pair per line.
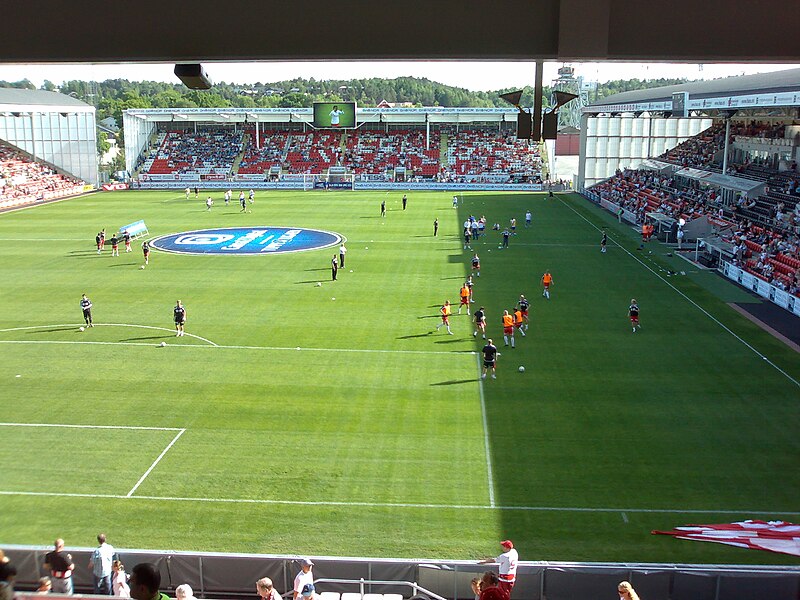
570, 114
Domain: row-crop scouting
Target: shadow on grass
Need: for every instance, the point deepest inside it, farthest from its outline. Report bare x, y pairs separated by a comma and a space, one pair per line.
455, 382
418, 335
133, 264
309, 281
148, 337
38, 331
319, 269
450, 341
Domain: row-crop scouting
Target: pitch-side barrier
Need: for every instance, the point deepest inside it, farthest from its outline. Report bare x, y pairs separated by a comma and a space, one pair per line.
216, 575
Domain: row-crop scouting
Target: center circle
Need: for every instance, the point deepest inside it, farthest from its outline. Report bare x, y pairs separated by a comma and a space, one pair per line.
246, 240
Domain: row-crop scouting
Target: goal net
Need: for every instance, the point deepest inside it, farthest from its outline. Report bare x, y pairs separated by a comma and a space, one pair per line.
329, 181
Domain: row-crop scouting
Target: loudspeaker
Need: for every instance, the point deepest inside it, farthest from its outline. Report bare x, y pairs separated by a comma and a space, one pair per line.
524, 125
549, 126
193, 76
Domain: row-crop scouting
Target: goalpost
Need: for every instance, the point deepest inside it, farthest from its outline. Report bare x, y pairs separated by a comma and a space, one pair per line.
329, 181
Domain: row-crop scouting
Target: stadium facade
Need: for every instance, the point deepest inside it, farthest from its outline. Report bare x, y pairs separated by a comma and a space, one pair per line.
626, 129
145, 130
53, 128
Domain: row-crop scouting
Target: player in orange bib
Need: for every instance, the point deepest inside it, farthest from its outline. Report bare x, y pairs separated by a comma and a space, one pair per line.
518, 321
465, 294
547, 281
508, 328
444, 311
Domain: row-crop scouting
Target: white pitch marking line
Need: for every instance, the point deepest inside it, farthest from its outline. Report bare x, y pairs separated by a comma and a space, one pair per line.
489, 474
692, 302
134, 427
408, 504
155, 462
197, 337
223, 347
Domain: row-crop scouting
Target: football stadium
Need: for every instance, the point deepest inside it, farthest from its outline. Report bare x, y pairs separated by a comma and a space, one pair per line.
380, 351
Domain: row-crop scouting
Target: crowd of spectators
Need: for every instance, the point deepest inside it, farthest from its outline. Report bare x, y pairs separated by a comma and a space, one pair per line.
23, 180
268, 153
473, 155
490, 153
769, 248
375, 153
698, 151
202, 153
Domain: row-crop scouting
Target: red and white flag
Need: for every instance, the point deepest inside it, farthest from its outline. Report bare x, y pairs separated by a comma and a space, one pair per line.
773, 536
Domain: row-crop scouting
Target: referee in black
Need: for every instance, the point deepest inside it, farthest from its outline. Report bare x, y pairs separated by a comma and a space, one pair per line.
86, 307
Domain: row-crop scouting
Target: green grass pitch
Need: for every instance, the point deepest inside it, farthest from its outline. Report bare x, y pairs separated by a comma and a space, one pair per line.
299, 423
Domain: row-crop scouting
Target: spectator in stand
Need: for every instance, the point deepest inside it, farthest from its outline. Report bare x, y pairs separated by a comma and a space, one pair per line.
265, 589
119, 580
508, 564
45, 585
101, 561
184, 592
145, 581
475, 584
60, 565
490, 589
8, 573
303, 578
626, 591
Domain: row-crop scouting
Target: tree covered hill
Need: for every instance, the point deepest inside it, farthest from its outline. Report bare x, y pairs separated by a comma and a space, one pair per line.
113, 96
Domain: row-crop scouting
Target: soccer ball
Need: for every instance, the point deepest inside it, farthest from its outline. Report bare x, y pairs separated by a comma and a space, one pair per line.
142, 267
521, 369
319, 284
83, 329
163, 344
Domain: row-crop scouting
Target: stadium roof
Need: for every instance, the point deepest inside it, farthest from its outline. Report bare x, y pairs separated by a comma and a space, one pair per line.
31, 99
432, 114
241, 30
781, 88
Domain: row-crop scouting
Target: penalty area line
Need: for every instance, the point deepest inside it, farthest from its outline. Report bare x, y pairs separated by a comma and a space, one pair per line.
155, 462
78, 426
484, 507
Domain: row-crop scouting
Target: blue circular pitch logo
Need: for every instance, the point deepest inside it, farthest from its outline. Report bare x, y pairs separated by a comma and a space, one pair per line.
246, 240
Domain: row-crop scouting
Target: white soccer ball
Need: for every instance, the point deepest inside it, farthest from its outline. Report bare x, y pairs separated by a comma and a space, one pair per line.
83, 329
142, 267
319, 284
521, 369
163, 344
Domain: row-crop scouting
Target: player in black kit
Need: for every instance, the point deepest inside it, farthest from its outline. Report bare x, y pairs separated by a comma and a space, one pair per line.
179, 313
489, 358
86, 307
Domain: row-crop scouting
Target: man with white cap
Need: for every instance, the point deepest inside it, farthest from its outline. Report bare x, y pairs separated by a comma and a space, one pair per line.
304, 577
508, 566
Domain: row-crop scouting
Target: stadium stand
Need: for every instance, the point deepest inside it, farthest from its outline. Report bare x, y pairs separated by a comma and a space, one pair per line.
25, 181
375, 153
205, 153
763, 231
481, 152
471, 154
269, 153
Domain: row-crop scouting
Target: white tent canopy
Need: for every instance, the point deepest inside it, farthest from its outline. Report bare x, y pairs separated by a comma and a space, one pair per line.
727, 182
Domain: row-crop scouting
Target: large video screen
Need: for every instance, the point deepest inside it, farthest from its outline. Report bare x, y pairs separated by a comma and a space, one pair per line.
334, 114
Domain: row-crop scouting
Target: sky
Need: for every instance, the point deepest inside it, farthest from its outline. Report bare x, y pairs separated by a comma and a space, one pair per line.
476, 76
